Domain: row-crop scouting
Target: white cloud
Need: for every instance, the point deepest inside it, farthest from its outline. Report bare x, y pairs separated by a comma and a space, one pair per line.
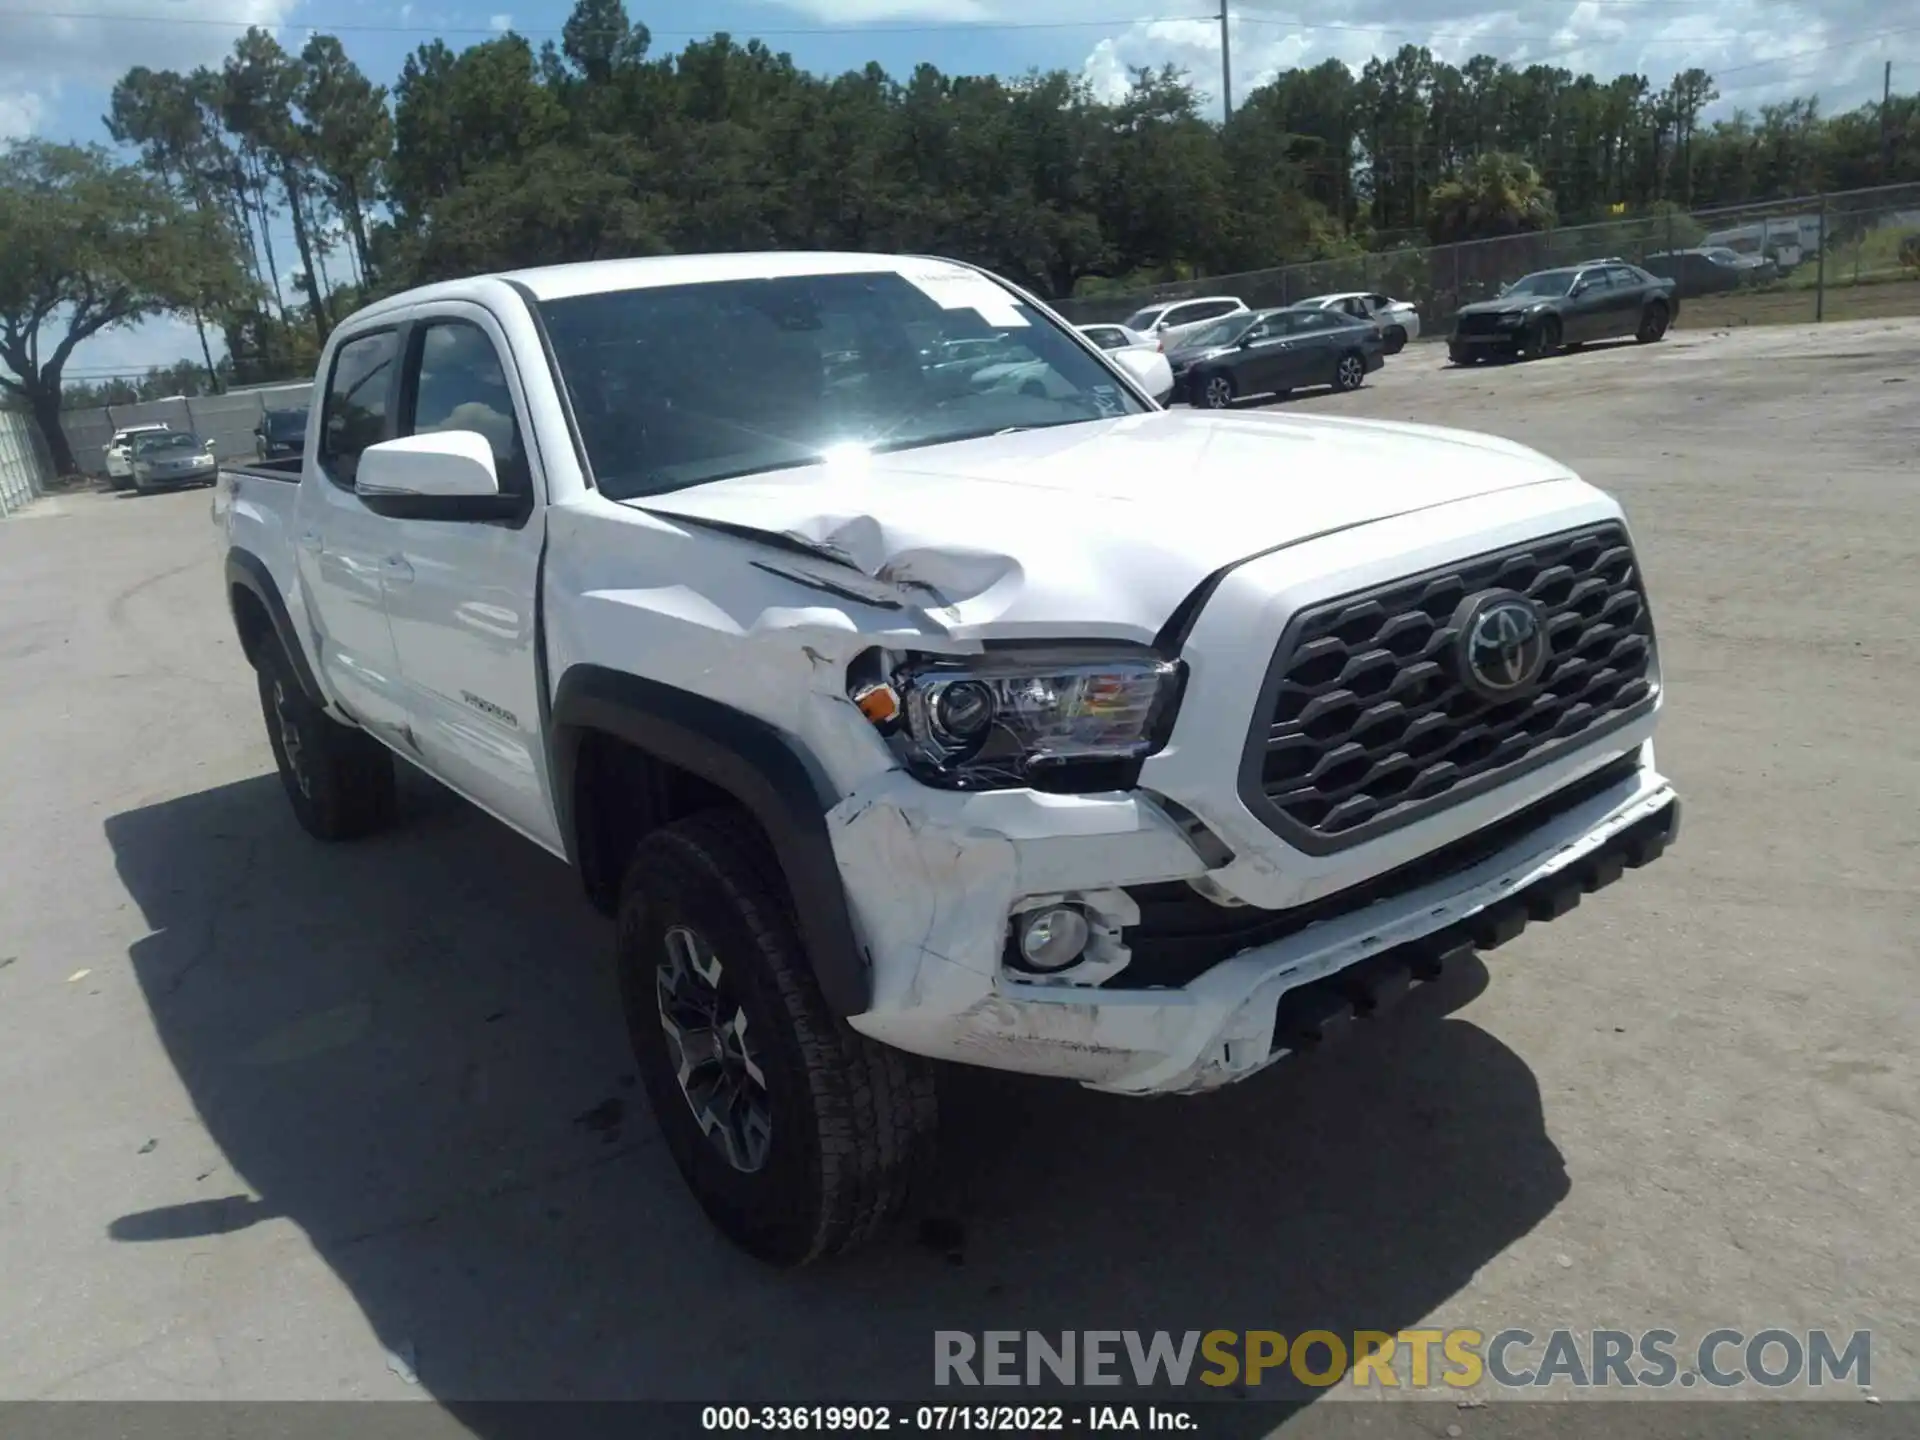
1656, 38
500, 22
19, 114
1758, 50
46, 51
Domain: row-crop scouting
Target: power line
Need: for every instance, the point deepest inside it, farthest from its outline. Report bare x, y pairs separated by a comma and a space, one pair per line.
947, 27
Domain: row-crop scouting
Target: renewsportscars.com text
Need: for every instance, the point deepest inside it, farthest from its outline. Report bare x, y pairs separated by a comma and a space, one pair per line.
1416, 1359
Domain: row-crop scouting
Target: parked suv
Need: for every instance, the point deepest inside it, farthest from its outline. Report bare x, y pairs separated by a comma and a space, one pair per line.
1172, 321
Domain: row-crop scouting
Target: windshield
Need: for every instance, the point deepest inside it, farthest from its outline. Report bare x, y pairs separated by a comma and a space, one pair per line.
167, 440
285, 422
1221, 332
680, 385
1145, 320
1547, 282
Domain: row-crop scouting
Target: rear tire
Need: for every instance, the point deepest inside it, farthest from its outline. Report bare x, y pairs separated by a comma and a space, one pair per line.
1653, 323
339, 780
1542, 340
798, 1137
1215, 392
1350, 372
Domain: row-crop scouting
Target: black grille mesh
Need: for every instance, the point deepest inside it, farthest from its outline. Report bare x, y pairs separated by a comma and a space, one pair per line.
1370, 720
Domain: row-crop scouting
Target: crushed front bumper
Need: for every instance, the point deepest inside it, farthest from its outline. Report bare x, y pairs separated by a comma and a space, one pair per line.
935, 877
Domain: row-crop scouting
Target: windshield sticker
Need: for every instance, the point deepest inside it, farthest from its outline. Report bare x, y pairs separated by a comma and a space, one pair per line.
965, 290
1107, 398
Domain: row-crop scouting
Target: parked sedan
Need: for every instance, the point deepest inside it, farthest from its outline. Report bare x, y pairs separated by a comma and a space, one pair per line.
1274, 352
172, 457
1540, 313
119, 453
1398, 320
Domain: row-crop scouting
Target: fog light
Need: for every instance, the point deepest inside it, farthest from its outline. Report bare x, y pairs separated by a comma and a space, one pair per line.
1053, 938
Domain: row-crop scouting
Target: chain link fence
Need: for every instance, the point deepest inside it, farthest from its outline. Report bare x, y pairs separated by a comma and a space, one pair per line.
227, 420
1851, 255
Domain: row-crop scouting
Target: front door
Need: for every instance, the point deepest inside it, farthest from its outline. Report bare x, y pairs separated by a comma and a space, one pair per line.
340, 546
461, 592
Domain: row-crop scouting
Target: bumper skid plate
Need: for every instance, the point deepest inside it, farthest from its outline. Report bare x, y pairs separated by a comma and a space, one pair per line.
1322, 1011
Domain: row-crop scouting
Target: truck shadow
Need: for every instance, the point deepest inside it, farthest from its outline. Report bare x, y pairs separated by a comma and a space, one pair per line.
409, 1048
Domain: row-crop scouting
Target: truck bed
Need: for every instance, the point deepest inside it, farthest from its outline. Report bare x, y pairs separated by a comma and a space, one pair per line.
287, 469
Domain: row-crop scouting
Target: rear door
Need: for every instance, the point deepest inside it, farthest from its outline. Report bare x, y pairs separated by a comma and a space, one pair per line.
461, 590
1626, 298
340, 546
1320, 339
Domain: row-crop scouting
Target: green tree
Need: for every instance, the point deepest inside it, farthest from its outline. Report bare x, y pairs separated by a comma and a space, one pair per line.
1492, 195
90, 246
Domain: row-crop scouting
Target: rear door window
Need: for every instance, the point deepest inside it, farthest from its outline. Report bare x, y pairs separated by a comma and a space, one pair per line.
356, 407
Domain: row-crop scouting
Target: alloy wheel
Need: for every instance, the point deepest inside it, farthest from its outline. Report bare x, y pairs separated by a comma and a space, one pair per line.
717, 1068
290, 745
1352, 372
1219, 393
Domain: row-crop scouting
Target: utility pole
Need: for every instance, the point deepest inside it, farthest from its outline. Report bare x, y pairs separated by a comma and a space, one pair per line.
1886, 119
1226, 67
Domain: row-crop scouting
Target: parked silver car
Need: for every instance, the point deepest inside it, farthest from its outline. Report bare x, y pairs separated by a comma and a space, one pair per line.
172, 457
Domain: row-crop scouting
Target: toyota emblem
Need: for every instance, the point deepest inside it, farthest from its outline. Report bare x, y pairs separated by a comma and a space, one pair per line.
1502, 644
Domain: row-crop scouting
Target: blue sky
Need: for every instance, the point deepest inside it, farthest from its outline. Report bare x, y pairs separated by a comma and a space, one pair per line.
59, 58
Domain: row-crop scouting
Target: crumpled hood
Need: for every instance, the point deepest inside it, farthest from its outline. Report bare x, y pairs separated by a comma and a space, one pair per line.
1100, 528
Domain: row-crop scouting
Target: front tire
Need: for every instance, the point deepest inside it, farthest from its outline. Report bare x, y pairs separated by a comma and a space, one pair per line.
798, 1137
339, 780
1542, 340
1216, 392
1351, 372
1653, 324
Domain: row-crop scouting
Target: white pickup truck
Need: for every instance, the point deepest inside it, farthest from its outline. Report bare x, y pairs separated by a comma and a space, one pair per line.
896, 716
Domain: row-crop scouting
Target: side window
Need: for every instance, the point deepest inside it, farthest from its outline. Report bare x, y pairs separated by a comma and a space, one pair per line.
1216, 310
355, 411
457, 383
1356, 307
1624, 276
1595, 280
1378, 302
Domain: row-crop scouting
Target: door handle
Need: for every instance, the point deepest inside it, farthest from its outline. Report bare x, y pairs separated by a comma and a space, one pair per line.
398, 570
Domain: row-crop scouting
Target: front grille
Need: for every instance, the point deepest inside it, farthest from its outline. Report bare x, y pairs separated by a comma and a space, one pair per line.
1480, 325
1364, 722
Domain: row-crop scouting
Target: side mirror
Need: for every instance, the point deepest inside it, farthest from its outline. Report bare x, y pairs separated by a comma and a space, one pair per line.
441, 465
443, 475
1148, 369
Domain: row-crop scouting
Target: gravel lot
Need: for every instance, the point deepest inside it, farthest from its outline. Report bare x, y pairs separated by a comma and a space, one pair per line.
273, 1111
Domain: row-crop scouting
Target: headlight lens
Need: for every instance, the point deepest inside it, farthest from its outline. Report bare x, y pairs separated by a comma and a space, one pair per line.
1053, 720
1512, 318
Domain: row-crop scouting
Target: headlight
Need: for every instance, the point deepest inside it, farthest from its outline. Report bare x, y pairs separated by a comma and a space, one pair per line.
1055, 719
1512, 318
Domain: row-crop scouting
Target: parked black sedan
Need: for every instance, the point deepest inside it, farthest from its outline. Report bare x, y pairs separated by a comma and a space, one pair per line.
280, 433
1540, 313
1273, 352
